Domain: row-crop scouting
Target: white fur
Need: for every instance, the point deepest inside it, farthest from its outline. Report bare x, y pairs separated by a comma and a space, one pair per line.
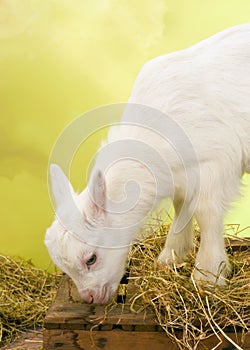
205, 92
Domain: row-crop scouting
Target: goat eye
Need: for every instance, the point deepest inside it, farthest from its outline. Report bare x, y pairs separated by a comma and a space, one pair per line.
91, 260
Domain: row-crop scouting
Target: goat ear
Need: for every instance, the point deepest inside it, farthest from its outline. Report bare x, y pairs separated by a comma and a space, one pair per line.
61, 187
97, 190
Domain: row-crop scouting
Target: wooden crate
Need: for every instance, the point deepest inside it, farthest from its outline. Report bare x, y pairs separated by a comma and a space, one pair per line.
71, 324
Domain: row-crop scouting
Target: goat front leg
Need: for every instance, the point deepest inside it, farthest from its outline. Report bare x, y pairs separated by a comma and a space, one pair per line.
212, 261
179, 241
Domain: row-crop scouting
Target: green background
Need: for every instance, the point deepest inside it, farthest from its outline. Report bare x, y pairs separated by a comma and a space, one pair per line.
61, 58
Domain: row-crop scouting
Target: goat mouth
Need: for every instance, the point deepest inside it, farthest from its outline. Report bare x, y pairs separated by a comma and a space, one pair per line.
101, 296
104, 297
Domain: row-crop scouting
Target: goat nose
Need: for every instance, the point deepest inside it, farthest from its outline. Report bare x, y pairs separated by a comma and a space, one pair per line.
87, 296
90, 299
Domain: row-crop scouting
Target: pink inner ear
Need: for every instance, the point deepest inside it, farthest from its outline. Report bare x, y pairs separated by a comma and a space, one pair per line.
87, 221
99, 191
93, 201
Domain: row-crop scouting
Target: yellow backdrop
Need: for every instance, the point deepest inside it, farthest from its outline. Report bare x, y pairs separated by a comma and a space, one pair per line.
60, 58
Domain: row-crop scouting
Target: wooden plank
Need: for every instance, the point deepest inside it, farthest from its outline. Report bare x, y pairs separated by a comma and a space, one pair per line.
80, 316
121, 340
65, 310
114, 340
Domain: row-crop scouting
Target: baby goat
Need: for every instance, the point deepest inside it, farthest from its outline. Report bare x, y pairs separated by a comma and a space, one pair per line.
184, 134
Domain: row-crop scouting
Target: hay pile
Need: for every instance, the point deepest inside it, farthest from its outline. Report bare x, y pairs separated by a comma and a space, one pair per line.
179, 303
25, 294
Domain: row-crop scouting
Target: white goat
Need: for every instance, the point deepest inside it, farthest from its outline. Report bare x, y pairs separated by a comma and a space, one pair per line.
185, 134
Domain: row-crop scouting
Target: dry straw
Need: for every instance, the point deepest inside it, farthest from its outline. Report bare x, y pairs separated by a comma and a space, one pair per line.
25, 294
181, 304
178, 301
